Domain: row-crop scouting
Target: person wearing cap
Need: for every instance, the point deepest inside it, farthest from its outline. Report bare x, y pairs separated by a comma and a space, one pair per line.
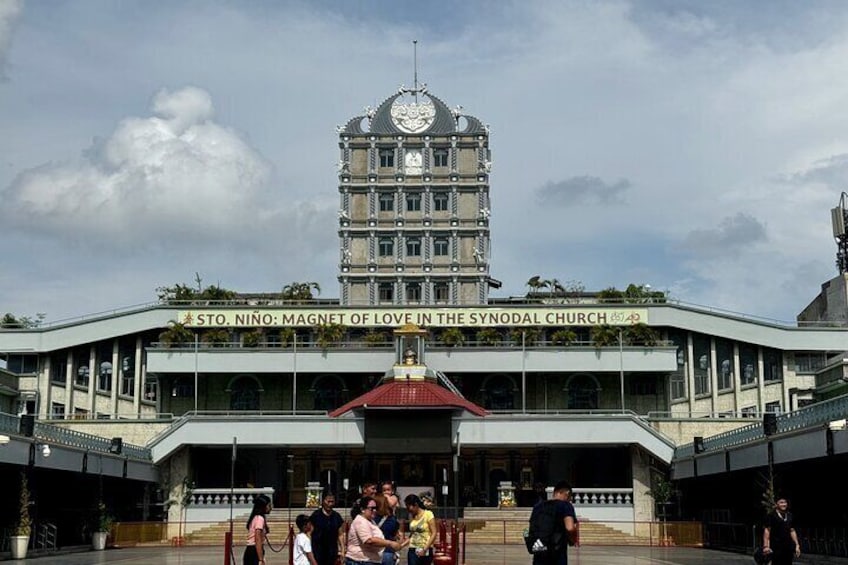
779, 537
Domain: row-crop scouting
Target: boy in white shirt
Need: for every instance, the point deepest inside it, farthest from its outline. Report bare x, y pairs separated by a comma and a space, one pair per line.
303, 543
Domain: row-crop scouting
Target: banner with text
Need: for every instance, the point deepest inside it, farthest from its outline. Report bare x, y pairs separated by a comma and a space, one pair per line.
478, 316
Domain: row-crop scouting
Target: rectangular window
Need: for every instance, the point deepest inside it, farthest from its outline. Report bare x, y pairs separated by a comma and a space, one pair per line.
808, 363
81, 370
748, 363
127, 369
104, 368
773, 407
57, 410
724, 358
413, 292
749, 412
387, 292
440, 292
441, 202
386, 247
440, 157
387, 157
413, 247
387, 202
80, 414
701, 350
22, 364
58, 369
413, 202
643, 385
441, 247
151, 389
678, 385
772, 365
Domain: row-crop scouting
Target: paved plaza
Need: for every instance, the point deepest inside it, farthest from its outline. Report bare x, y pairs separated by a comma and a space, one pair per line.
477, 555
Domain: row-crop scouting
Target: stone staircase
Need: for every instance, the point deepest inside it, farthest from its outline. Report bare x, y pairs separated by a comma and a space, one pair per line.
506, 527
483, 526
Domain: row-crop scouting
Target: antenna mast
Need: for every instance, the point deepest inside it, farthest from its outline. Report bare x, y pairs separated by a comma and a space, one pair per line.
839, 220
415, 67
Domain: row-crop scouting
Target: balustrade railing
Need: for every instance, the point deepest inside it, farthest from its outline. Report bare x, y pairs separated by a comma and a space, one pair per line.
818, 414
73, 438
221, 496
602, 496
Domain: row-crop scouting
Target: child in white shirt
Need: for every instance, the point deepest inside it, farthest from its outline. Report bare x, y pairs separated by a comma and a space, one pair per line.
303, 542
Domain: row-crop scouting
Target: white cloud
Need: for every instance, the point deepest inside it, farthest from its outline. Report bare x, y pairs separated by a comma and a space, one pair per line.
10, 10
171, 173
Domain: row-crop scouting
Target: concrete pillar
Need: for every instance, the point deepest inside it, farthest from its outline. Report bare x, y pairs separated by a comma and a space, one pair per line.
44, 388
643, 504
737, 380
93, 377
69, 383
140, 369
713, 378
760, 382
116, 374
690, 372
178, 470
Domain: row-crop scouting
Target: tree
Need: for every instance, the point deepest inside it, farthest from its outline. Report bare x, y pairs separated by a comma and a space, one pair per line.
217, 337
641, 334
563, 336
489, 336
611, 294
328, 334
452, 337
604, 336
176, 334
23, 526
534, 284
301, 291
182, 292
9, 321
531, 335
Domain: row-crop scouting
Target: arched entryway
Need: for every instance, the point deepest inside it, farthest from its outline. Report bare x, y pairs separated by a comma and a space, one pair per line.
582, 391
498, 392
328, 392
245, 391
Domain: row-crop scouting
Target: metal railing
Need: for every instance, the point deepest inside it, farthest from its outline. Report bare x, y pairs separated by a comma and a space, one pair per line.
818, 414
46, 537
73, 438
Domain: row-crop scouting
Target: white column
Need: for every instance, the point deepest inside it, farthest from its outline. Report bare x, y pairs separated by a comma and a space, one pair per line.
713, 376
690, 372
760, 386
93, 376
737, 379
140, 368
116, 374
44, 388
69, 383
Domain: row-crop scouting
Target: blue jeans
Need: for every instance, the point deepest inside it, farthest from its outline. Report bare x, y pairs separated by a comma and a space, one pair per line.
413, 559
389, 558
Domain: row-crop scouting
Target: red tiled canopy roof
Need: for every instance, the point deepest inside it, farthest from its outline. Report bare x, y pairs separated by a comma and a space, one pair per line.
409, 394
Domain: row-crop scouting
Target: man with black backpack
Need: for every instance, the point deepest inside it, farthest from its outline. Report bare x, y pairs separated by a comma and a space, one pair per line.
553, 527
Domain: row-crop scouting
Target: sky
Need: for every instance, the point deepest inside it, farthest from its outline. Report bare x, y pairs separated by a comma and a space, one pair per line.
696, 147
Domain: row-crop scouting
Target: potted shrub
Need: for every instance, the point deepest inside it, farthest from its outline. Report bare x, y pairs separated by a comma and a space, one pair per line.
452, 337
374, 339
531, 335
216, 338
253, 338
102, 526
563, 336
19, 541
604, 336
489, 336
286, 336
329, 334
176, 335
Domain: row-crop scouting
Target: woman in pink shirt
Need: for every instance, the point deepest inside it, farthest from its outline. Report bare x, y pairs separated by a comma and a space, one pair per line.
257, 531
365, 540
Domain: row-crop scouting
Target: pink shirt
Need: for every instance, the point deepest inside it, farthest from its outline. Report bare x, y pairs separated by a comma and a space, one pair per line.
362, 529
258, 523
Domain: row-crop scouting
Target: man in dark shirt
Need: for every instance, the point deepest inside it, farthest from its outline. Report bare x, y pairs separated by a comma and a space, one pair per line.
327, 531
779, 537
566, 523
369, 488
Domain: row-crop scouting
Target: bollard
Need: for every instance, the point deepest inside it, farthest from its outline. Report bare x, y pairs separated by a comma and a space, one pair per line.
228, 547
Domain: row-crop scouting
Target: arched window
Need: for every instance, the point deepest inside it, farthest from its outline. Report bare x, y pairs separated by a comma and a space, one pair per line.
244, 393
328, 392
582, 390
499, 392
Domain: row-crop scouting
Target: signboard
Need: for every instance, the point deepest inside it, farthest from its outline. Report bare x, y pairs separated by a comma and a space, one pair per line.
474, 316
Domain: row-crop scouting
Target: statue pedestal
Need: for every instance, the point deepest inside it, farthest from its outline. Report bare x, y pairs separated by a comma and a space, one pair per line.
313, 494
506, 495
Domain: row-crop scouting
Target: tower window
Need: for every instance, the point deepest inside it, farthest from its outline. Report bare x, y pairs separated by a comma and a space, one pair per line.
386, 247
441, 247
413, 292
441, 201
387, 292
387, 157
413, 202
413, 247
387, 202
440, 158
440, 292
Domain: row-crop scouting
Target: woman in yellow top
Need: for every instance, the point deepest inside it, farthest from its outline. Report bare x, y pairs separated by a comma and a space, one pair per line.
422, 532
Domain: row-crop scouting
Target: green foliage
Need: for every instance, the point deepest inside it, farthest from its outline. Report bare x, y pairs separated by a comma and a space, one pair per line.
766, 483
531, 335
181, 292
641, 334
375, 338
176, 334
611, 295
535, 284
328, 334
563, 336
10, 322
253, 338
23, 527
604, 336
216, 337
489, 336
103, 520
287, 336
633, 294
661, 489
452, 337
301, 291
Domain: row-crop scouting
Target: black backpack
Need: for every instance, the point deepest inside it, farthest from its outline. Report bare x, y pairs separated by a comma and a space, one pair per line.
544, 533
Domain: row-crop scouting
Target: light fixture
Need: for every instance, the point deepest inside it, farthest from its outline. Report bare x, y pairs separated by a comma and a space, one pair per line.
4, 440
116, 446
837, 425
45, 450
